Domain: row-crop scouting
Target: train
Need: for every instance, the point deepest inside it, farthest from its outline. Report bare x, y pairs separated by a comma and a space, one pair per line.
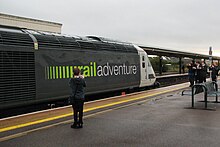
35, 66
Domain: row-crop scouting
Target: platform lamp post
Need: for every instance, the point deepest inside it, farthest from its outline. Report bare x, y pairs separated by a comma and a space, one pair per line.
210, 60
180, 65
160, 64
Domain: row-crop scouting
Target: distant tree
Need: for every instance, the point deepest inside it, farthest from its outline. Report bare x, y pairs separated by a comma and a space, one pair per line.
155, 63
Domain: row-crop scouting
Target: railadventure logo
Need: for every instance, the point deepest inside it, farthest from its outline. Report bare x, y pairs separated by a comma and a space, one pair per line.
90, 70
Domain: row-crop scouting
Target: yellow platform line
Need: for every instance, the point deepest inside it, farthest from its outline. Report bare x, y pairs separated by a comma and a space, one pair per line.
86, 110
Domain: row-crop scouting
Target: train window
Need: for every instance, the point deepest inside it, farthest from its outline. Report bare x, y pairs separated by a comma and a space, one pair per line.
143, 64
142, 58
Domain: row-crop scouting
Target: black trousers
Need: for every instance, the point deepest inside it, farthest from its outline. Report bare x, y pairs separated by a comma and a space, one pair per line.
191, 80
214, 78
78, 111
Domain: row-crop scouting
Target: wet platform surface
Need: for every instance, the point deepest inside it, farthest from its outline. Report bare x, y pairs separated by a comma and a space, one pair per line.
162, 120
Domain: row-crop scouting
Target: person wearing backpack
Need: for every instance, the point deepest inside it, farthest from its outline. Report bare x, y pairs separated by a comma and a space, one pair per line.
77, 85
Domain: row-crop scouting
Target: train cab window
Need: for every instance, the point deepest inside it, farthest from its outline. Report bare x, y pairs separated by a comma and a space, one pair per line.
143, 64
142, 58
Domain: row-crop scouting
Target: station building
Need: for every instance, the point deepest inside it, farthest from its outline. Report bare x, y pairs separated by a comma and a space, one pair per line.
29, 23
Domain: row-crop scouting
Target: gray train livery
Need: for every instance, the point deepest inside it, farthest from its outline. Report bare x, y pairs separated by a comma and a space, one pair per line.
35, 66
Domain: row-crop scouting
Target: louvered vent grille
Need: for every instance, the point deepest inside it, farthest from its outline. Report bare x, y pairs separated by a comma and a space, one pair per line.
86, 45
47, 41
68, 43
105, 46
17, 76
18, 39
50, 41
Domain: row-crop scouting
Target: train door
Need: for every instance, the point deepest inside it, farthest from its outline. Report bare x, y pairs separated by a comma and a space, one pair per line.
143, 69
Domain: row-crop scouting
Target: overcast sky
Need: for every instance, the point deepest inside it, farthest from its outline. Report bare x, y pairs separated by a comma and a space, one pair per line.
186, 25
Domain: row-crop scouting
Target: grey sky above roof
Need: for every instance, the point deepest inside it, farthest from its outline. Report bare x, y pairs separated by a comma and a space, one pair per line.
189, 25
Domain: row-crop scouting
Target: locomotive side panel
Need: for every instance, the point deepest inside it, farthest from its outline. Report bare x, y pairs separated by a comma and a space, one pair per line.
103, 71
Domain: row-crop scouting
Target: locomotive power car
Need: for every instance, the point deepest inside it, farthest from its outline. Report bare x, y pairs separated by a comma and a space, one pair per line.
35, 66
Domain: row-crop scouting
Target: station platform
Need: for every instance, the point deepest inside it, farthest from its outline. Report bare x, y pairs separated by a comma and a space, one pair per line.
157, 117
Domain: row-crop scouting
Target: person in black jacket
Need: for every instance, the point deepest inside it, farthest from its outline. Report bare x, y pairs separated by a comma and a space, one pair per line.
214, 69
203, 72
77, 84
198, 72
191, 72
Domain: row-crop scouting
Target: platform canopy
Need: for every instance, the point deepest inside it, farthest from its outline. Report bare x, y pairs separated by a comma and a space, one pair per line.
175, 53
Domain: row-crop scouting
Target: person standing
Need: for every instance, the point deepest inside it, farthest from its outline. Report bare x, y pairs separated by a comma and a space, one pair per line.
191, 72
77, 85
214, 69
203, 72
199, 72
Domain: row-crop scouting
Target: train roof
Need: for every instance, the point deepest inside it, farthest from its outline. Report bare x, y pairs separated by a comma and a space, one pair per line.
45, 40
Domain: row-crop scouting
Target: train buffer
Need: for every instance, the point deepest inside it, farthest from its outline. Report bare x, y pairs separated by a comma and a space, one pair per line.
209, 89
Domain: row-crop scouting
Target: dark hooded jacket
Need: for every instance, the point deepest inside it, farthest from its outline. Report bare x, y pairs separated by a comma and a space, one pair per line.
77, 85
214, 70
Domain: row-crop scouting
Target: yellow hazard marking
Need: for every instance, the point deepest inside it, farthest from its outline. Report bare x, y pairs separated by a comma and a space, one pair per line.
85, 110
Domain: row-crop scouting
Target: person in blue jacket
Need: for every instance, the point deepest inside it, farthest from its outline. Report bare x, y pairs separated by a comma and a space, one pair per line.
77, 84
